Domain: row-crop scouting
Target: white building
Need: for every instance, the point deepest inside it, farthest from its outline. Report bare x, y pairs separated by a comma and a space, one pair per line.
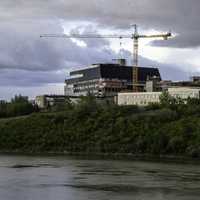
145, 98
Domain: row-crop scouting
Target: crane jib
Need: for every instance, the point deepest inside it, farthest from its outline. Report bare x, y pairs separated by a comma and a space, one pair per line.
135, 37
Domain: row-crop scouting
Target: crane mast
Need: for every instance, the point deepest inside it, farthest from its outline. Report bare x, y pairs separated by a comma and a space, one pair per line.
135, 37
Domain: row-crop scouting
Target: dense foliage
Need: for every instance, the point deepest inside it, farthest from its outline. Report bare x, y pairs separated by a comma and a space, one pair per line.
18, 106
171, 127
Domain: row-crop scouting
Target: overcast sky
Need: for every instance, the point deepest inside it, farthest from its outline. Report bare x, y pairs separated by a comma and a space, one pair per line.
31, 65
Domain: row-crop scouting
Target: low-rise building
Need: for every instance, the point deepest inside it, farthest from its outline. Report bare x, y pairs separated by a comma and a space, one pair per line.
45, 101
138, 98
145, 98
184, 92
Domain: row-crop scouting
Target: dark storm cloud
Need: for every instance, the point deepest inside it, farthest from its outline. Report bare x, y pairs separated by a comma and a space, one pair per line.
181, 16
27, 59
22, 48
24, 78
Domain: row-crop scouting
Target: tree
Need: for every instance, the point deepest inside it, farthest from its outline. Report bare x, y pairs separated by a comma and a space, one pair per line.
166, 99
19, 99
18, 106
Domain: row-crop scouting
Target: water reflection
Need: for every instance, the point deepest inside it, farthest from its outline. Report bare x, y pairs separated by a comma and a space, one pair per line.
59, 178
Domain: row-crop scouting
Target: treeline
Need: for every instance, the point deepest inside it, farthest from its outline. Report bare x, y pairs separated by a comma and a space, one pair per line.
169, 128
18, 106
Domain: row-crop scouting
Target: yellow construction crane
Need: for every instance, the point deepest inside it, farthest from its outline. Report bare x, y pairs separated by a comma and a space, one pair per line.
135, 37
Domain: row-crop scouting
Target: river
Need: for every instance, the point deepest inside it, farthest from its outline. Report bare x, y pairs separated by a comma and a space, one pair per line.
63, 177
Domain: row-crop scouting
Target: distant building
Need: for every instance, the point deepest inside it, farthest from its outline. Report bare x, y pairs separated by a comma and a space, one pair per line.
45, 101
195, 79
153, 84
193, 82
145, 98
106, 80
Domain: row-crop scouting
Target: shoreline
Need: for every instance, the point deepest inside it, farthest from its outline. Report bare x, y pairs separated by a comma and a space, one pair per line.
110, 156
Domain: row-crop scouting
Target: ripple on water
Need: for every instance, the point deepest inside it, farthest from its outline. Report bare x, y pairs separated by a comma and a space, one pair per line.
122, 188
18, 166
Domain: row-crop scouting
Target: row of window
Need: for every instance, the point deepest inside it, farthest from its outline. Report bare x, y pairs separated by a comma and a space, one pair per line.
186, 95
144, 96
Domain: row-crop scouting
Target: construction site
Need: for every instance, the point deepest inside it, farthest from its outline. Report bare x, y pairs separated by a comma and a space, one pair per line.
119, 83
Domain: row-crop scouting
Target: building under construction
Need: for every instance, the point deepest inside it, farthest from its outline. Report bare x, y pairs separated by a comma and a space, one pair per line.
106, 80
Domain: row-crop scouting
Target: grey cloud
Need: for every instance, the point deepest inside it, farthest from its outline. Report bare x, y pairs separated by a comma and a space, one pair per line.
184, 40
167, 71
22, 48
24, 78
27, 59
182, 16
90, 30
32, 91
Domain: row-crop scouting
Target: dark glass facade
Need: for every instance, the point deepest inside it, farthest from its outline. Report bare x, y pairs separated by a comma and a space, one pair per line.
105, 78
113, 71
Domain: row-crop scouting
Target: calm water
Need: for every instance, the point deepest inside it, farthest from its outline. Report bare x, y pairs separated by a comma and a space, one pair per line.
59, 178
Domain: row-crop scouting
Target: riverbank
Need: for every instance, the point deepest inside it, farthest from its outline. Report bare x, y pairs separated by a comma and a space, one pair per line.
109, 156
91, 128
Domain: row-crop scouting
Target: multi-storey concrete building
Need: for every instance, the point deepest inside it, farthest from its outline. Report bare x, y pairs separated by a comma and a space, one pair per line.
106, 80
